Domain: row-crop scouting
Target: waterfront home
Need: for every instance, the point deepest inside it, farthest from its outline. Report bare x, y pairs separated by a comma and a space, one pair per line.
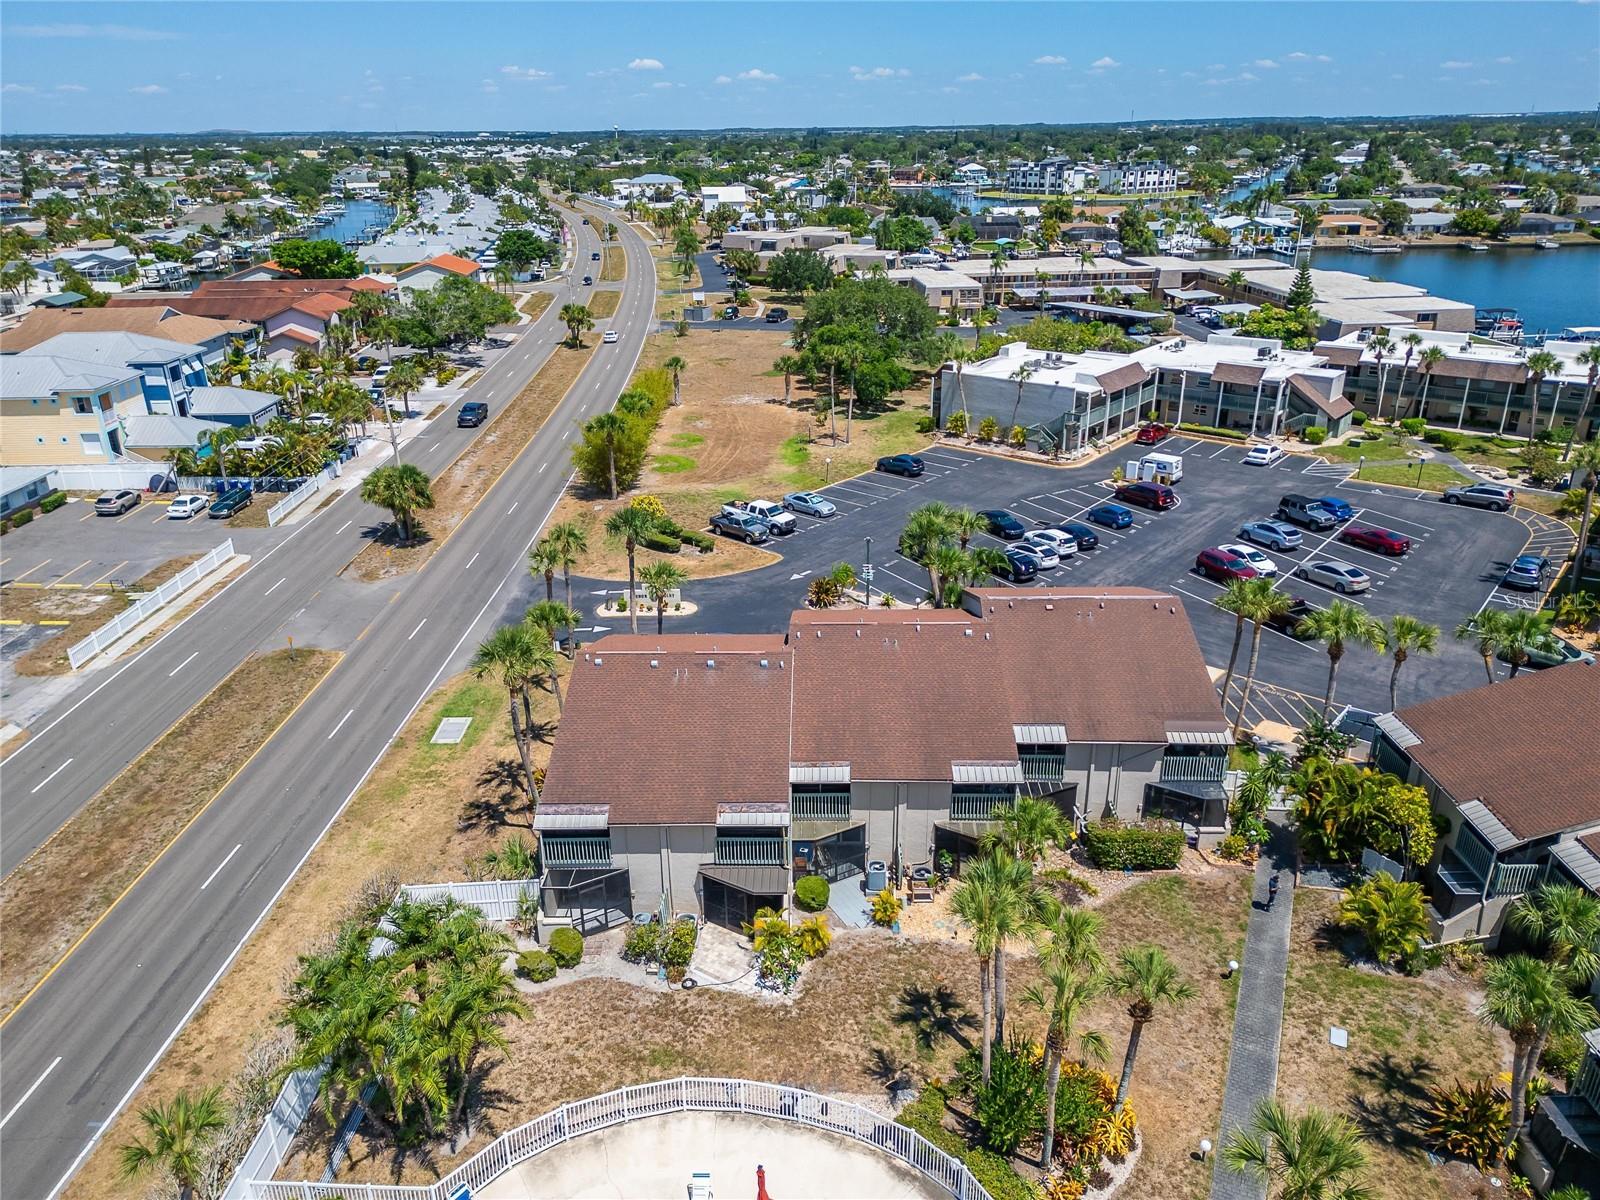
213, 337
1348, 225
1543, 224
429, 272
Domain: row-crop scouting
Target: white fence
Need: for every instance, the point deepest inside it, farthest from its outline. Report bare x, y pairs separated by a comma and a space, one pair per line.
153, 603
301, 494
112, 475
637, 1103
277, 1133
496, 899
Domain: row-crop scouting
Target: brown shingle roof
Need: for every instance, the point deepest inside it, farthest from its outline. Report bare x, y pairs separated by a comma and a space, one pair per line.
1494, 372
1335, 408
1340, 356
1524, 748
156, 321
1246, 374
251, 300
1124, 376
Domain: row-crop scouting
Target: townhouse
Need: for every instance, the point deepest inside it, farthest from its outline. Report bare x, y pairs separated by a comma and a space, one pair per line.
59, 411
429, 272
945, 291
705, 772
1139, 179
1050, 176
213, 337
168, 371
290, 313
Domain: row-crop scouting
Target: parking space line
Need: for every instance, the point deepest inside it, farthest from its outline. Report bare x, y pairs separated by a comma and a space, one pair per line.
917, 588
1220, 452
853, 492
939, 457
87, 515
32, 569
108, 574
127, 514
60, 580
1366, 512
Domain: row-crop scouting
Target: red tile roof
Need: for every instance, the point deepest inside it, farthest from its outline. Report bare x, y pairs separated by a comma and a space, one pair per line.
299, 335
251, 300
447, 262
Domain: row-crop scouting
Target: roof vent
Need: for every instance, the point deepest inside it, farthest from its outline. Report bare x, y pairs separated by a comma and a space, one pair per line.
967, 632
1102, 604
655, 662
598, 660
917, 625
711, 662
1049, 608
586, 656
764, 664
858, 631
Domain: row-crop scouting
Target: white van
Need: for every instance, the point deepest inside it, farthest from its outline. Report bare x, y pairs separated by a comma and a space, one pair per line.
1164, 468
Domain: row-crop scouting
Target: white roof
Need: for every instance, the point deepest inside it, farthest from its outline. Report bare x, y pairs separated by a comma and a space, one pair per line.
31, 374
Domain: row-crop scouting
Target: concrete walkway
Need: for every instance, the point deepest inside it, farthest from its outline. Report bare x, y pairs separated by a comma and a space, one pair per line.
1258, 1019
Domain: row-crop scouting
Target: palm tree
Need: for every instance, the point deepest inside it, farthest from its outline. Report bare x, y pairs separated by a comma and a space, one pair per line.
1565, 920
1337, 626
609, 427
1588, 461
975, 903
1027, 828
569, 541
1019, 908
964, 524
630, 524
1411, 341
1380, 344
1520, 632
1263, 608
178, 1133
1062, 996
675, 367
1484, 629
1530, 1000
946, 564
1021, 375
1150, 981
403, 489
550, 617
577, 319
1589, 358
789, 364
1426, 362
1240, 598
1540, 363
543, 561
1234, 281
1401, 637
511, 654
660, 579
1313, 1156
465, 1016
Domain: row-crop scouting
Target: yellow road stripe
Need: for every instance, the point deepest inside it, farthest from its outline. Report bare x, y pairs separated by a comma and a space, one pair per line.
59, 580
108, 574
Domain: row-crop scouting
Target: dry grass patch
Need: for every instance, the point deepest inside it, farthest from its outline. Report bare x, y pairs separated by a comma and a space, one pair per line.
423, 813
535, 303
1406, 1035
459, 487
604, 304
55, 895
614, 265
83, 609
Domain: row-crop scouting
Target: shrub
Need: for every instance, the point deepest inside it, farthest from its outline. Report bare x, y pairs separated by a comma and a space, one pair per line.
886, 600
657, 539
956, 424
811, 893
1233, 848
1315, 434
924, 423
1358, 418
1010, 1108
677, 947
652, 507
536, 965
1468, 1120
444, 375
642, 944
52, 502
566, 947
1563, 1055
925, 1115
690, 537
813, 936
21, 517
1390, 915
1144, 846
5, 525
1018, 437
824, 592
988, 429
1236, 435
1413, 425
885, 908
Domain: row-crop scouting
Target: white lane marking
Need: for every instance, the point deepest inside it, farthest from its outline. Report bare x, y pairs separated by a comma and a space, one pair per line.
343, 527
340, 725
183, 664
51, 776
220, 865
513, 507
542, 466
472, 560
29, 1092
275, 586
418, 629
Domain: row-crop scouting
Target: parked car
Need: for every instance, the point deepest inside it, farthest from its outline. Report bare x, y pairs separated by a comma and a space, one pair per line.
1380, 541
230, 502
1262, 564
473, 413
1152, 433
319, 420
1063, 543
1288, 621
186, 506
901, 464
1264, 455
1002, 524
1042, 550
1307, 511
730, 312
1340, 509
777, 518
114, 504
1557, 652
1083, 537
1274, 535
1019, 566
810, 503
1331, 573
1481, 495
774, 315
1217, 563
1526, 573
748, 528
1147, 495
1112, 516
609, 336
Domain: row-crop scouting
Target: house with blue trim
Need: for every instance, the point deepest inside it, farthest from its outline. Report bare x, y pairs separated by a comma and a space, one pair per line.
169, 372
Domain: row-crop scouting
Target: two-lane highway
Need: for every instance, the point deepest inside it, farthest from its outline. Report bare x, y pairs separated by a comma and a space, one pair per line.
78, 1048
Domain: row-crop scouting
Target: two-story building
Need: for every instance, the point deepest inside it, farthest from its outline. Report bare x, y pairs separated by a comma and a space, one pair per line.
59, 411
945, 291
168, 371
214, 337
706, 772
427, 273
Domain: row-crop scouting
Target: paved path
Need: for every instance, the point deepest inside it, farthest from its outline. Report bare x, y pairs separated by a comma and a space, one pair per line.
1258, 1019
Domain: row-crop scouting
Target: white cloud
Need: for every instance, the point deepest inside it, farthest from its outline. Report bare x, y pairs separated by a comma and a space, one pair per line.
1105, 64
1241, 77
663, 84
1050, 60
646, 64
757, 75
71, 87
148, 89
1455, 64
1266, 64
1505, 59
526, 74
878, 72
723, 79
1216, 67
1302, 56
11, 88
951, 91
970, 77
118, 33
489, 86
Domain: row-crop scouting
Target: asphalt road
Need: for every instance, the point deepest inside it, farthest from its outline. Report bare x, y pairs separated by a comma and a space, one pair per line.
80, 1044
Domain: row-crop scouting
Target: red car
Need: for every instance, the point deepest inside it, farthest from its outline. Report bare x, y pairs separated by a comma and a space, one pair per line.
1149, 435
1220, 565
1370, 537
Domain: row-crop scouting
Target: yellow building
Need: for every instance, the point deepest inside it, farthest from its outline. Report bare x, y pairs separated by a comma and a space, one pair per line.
58, 411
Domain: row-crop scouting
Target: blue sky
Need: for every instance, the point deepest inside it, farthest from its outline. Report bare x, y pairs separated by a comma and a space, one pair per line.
105, 68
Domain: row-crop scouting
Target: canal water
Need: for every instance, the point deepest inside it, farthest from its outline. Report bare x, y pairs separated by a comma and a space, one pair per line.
358, 214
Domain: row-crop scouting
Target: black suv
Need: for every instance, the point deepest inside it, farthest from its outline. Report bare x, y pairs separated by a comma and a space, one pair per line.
901, 464
774, 315
473, 413
1003, 525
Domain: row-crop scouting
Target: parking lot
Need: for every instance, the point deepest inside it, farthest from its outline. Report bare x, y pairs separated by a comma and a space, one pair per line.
1451, 573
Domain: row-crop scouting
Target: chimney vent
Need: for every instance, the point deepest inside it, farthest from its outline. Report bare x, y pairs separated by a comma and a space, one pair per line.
967, 631
655, 662
764, 664
598, 660
711, 662
1049, 608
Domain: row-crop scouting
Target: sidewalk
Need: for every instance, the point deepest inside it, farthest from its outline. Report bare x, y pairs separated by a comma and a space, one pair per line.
1258, 1018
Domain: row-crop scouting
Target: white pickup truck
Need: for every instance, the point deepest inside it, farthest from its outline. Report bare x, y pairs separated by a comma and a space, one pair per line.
777, 519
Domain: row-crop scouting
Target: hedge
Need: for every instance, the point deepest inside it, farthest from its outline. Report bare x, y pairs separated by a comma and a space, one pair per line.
21, 517
811, 893
1237, 435
52, 502
1145, 846
536, 965
1358, 417
1315, 434
658, 539
925, 1115
566, 947
693, 537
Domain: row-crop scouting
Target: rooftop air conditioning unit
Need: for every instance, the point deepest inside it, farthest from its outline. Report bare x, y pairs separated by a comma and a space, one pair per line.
1264, 352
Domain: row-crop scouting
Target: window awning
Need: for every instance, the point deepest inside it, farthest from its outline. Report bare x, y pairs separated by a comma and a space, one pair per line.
1577, 859
761, 815
1219, 736
986, 772
1397, 731
1477, 814
835, 772
551, 818
757, 881
1040, 735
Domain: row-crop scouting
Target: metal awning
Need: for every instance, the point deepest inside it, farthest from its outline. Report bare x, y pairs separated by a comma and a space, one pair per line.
816, 831
551, 818
764, 815
1577, 859
835, 772
986, 772
757, 881
1476, 814
1200, 737
1397, 731
1200, 789
1040, 735
971, 829
1194, 294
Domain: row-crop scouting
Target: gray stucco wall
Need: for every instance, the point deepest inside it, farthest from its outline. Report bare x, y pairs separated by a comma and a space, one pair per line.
662, 857
1111, 778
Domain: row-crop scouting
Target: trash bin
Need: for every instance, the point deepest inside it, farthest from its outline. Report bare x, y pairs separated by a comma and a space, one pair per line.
877, 876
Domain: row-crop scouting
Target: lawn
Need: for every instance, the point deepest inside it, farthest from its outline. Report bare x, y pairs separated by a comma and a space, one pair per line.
1405, 1035
1433, 477
614, 264
534, 303
604, 304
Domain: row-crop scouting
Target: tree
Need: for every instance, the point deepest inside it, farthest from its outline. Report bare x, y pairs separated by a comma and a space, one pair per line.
1296, 328
630, 524
512, 655
1241, 598
676, 366
1390, 915
1027, 828
1263, 607
320, 259
798, 272
1426, 362
178, 1133
1540, 363
1508, 634
1338, 626
401, 488
569, 542
1587, 462
1313, 1156
975, 902
1235, 282
1589, 358
521, 248
577, 319
788, 364
1069, 960
1381, 345
1564, 922
1531, 1001
542, 563
660, 579
1149, 981
1301, 292
553, 616
1400, 637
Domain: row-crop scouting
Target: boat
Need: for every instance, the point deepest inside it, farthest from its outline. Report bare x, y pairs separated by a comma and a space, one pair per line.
1497, 322
1548, 244
1477, 247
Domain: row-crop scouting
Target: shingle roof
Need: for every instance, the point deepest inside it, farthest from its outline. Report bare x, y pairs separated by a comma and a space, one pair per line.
1334, 408
446, 262
158, 321
1524, 748
250, 300
32, 374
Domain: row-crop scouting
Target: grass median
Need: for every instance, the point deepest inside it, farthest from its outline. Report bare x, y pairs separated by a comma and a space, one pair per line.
604, 304
534, 304
615, 265
58, 893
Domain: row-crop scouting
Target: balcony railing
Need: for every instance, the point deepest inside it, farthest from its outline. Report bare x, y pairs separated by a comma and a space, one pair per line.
820, 806
1044, 768
752, 851
977, 806
1193, 768
575, 851
1513, 879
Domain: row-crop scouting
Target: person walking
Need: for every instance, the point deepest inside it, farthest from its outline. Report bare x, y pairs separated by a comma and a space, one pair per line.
1272, 890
